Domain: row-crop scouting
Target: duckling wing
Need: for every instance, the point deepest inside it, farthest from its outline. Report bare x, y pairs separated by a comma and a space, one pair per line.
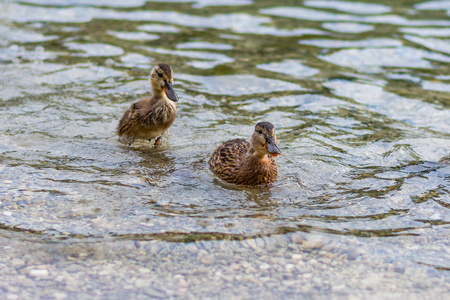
146, 119
228, 156
129, 119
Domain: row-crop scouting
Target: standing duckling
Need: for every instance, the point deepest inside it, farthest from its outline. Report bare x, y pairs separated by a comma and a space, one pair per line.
151, 117
240, 162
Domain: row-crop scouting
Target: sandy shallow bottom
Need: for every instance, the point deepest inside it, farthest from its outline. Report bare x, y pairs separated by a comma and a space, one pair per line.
288, 266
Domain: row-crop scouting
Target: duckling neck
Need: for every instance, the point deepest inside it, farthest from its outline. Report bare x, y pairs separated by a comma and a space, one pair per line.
256, 169
157, 93
161, 97
253, 155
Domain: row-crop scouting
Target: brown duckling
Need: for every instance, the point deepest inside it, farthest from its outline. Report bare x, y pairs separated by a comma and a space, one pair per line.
151, 117
240, 162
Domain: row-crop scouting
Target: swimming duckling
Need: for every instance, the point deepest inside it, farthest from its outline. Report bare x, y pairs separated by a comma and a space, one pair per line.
151, 117
240, 162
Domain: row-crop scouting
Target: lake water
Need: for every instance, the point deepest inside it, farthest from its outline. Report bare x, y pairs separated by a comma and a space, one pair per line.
359, 94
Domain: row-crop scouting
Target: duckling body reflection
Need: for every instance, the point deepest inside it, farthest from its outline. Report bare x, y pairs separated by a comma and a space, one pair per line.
238, 161
151, 117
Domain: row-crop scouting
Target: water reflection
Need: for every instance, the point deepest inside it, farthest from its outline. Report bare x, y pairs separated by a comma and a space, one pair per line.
204, 45
20, 35
212, 59
316, 15
371, 59
370, 43
134, 36
95, 49
237, 85
351, 7
430, 43
347, 27
441, 32
158, 28
293, 68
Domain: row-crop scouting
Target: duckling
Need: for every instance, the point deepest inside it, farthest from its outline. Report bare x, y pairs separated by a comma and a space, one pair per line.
238, 161
151, 117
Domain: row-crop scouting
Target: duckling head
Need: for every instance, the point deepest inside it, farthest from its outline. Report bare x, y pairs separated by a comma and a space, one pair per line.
264, 140
161, 79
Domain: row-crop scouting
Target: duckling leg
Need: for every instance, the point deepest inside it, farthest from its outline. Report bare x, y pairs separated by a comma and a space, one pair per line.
158, 141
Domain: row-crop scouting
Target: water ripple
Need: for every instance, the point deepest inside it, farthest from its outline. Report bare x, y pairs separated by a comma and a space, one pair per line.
351, 7
371, 60
237, 85
293, 68
316, 15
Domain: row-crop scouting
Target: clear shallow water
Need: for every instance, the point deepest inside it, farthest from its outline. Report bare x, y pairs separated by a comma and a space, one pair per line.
358, 94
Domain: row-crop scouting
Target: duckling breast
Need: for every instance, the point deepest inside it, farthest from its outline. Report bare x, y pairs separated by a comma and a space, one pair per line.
146, 119
160, 116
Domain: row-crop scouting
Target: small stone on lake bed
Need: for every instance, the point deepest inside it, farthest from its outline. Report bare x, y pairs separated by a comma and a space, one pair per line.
297, 256
297, 238
252, 244
38, 273
208, 259
17, 262
315, 242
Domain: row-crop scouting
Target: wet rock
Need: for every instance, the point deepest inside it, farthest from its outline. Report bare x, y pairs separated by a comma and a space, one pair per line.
289, 283
244, 244
338, 288
144, 270
252, 244
154, 293
139, 283
208, 259
314, 242
312, 262
298, 238
250, 278
289, 267
137, 244
201, 270
317, 281
38, 273
12, 296
271, 246
17, 262
301, 264
400, 270
353, 254
250, 270
330, 247
59, 295
296, 257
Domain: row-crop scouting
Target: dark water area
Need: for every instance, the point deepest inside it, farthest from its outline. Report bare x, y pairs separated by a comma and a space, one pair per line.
359, 94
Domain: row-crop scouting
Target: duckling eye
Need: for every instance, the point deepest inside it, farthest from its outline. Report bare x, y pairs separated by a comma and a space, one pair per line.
259, 131
159, 74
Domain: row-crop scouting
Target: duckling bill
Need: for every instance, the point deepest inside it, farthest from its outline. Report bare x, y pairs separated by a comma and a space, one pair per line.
151, 117
240, 162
